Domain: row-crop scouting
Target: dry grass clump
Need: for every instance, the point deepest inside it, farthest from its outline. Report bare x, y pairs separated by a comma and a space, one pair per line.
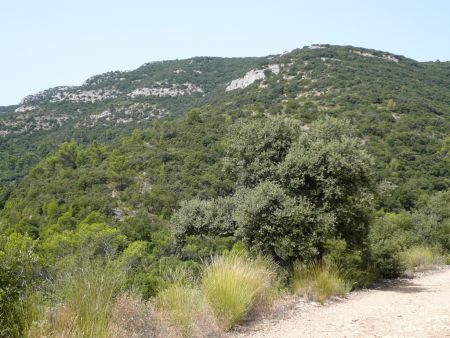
235, 284
420, 258
182, 306
132, 317
319, 281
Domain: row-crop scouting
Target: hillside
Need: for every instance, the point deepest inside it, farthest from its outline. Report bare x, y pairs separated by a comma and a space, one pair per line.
107, 107
400, 106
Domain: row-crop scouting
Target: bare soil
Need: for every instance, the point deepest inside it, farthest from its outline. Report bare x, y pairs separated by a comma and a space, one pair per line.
417, 307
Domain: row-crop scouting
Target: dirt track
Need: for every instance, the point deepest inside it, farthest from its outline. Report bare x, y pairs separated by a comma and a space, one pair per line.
419, 307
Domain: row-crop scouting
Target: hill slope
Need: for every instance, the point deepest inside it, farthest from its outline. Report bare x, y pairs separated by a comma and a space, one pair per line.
400, 106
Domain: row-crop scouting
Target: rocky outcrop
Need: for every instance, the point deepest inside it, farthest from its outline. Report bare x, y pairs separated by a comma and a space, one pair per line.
252, 76
163, 89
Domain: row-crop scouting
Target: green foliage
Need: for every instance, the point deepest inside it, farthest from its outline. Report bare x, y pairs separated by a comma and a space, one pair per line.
431, 220
199, 217
387, 239
295, 190
284, 227
18, 261
352, 263
329, 167
254, 150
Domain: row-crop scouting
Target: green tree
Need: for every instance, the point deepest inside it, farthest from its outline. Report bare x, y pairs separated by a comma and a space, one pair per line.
255, 149
296, 190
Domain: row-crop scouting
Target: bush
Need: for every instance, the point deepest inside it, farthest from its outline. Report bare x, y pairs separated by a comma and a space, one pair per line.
199, 217
319, 281
421, 258
387, 239
353, 262
431, 221
234, 285
17, 262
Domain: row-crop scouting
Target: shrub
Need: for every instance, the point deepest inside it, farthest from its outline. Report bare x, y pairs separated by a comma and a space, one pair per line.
353, 262
17, 262
319, 281
431, 221
387, 239
234, 285
199, 217
421, 258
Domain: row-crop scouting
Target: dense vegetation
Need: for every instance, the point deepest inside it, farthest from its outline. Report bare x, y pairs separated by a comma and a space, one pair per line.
319, 178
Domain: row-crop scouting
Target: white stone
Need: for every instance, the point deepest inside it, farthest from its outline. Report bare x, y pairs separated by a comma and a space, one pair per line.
23, 109
384, 57
172, 90
252, 76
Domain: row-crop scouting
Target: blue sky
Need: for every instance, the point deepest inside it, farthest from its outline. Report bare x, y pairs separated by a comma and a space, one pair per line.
60, 42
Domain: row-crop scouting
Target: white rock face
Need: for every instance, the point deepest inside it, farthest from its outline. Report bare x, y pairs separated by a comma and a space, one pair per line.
249, 78
85, 96
124, 120
44, 94
275, 68
384, 57
252, 76
71, 94
167, 90
104, 114
29, 123
311, 93
24, 109
316, 47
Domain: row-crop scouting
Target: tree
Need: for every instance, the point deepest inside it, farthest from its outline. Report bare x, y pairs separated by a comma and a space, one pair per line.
254, 149
329, 167
276, 224
295, 189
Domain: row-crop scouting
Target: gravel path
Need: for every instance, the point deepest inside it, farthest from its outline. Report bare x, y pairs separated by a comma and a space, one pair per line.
418, 307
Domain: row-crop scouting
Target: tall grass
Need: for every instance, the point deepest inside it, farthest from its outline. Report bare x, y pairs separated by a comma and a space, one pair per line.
421, 258
235, 284
82, 302
183, 305
319, 281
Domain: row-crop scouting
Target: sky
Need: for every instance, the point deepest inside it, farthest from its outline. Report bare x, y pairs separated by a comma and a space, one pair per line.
49, 43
